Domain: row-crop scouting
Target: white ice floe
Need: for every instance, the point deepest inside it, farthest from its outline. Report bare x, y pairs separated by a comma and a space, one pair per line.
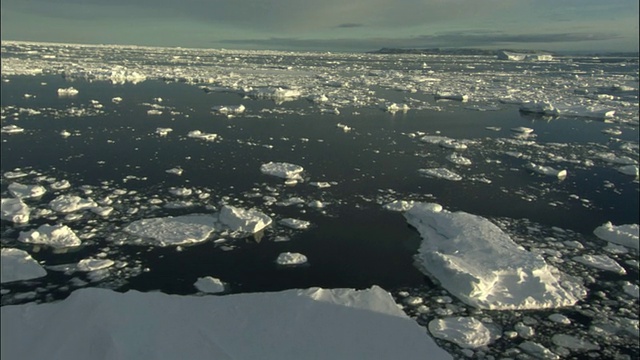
320, 324
116, 100
295, 223
522, 130
626, 235
11, 129
102, 210
163, 131
588, 111
441, 173
18, 265
573, 343
70, 91
229, 109
15, 210
451, 96
56, 236
282, 170
630, 289
289, 258
458, 159
169, 231
90, 264
60, 185
546, 170
154, 112
210, 285
398, 205
466, 332
197, 134
277, 94
394, 108
180, 191
71, 203
245, 221
631, 170
559, 319
480, 264
602, 262
515, 56
26, 191
174, 171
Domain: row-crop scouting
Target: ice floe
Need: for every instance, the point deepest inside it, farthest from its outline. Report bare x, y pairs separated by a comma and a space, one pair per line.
210, 285
15, 210
290, 259
441, 173
18, 265
11, 129
546, 170
626, 235
466, 332
171, 231
602, 262
480, 264
56, 236
282, 170
197, 134
70, 91
90, 264
71, 203
347, 324
242, 220
573, 343
398, 205
295, 223
229, 109
26, 191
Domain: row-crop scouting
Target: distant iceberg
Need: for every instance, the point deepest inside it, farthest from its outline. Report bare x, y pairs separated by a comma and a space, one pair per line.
515, 56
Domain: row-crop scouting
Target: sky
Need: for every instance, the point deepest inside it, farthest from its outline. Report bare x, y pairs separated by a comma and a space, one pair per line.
329, 25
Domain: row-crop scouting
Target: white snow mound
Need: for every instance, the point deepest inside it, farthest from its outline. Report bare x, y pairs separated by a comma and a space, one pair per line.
293, 324
480, 264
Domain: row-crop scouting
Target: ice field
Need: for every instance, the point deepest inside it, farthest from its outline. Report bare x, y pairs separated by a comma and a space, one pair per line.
318, 205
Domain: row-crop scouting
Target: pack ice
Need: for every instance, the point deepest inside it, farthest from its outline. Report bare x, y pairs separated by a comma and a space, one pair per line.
18, 265
478, 263
56, 236
294, 324
14, 210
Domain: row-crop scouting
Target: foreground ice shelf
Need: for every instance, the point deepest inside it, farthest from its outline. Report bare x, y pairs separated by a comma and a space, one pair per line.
294, 324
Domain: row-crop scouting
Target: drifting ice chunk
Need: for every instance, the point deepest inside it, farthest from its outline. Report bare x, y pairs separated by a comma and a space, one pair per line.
602, 262
467, 332
458, 159
67, 92
11, 129
398, 205
174, 171
394, 108
71, 203
60, 185
209, 285
287, 258
573, 343
546, 170
15, 210
89, 264
188, 229
514, 56
26, 191
245, 221
154, 112
18, 265
57, 236
538, 351
631, 170
282, 170
451, 96
200, 135
229, 109
320, 324
295, 223
441, 173
277, 94
626, 235
480, 264
163, 131
522, 130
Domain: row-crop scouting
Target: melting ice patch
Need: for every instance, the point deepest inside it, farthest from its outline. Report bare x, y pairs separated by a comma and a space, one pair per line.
477, 262
18, 265
320, 324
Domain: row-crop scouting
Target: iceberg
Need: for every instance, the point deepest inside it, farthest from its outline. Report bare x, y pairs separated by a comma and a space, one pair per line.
56, 236
209, 284
169, 231
26, 191
14, 210
515, 56
282, 170
293, 324
626, 235
478, 263
546, 170
18, 265
229, 109
245, 221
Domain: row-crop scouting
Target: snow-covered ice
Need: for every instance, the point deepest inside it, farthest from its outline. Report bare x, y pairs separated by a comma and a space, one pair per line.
282, 170
71, 203
295, 223
602, 262
26, 191
209, 284
289, 258
242, 220
546, 170
480, 264
294, 324
229, 109
14, 210
197, 134
91, 264
626, 235
70, 91
398, 205
441, 173
169, 231
18, 265
56, 236
466, 332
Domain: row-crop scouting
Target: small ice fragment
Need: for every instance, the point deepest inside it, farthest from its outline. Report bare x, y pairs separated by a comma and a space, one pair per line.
560, 319
102, 210
398, 205
321, 184
288, 258
67, 92
197, 134
573, 343
163, 131
631, 289
295, 223
181, 230
538, 351
91, 264
174, 171
522, 130
344, 127
57, 236
602, 262
631, 170
71, 203
317, 204
180, 191
229, 109
210, 285
458, 159
282, 169
60, 185
246, 221
154, 112
65, 133
451, 96
442, 173
466, 332
546, 170
116, 100
11, 129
